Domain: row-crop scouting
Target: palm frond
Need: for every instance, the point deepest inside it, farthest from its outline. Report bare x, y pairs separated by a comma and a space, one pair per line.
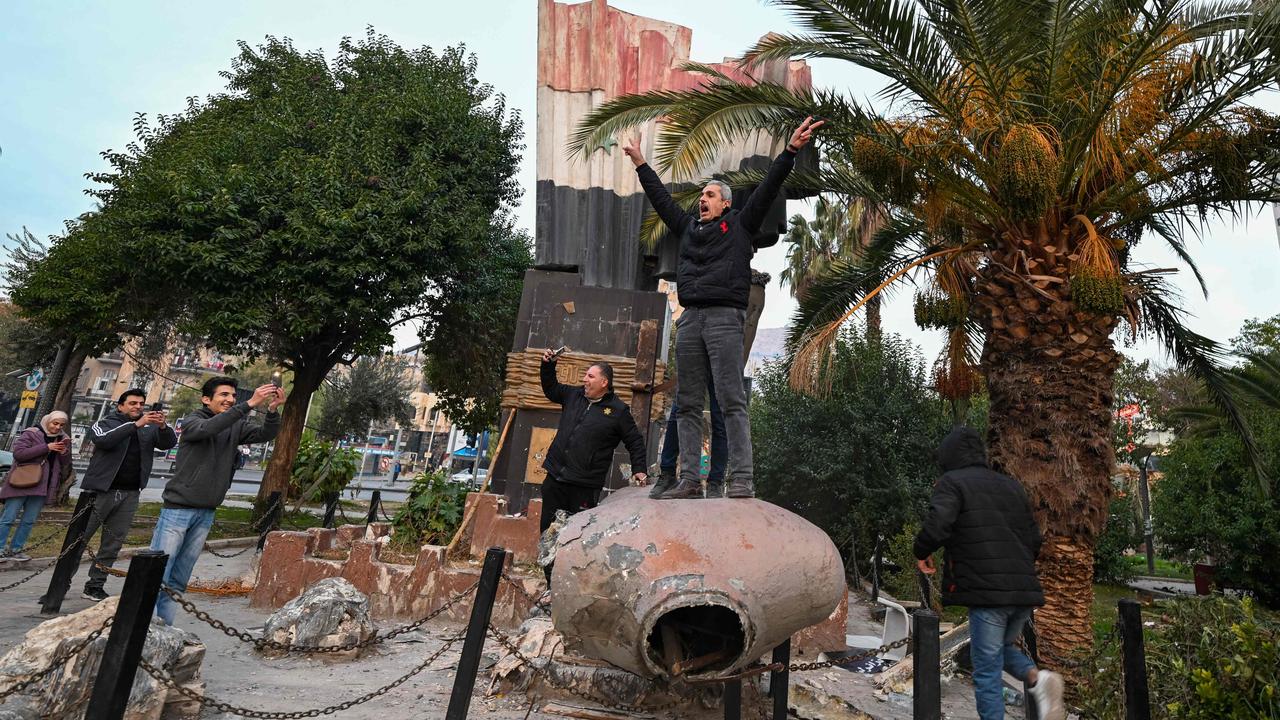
885, 36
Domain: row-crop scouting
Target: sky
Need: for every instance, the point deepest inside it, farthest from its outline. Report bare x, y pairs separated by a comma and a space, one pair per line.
75, 73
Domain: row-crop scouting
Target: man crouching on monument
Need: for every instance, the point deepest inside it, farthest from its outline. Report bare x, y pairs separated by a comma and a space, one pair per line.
593, 420
713, 282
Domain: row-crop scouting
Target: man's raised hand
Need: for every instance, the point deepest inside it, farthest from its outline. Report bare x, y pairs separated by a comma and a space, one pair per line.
632, 150
262, 394
276, 400
804, 133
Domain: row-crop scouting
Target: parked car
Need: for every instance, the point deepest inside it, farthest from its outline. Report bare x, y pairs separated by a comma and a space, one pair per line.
464, 478
6, 461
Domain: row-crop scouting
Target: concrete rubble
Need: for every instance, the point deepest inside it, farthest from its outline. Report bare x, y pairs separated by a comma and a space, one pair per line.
65, 693
329, 612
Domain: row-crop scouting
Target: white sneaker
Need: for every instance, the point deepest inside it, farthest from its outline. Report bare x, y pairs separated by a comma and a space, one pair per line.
1047, 693
19, 556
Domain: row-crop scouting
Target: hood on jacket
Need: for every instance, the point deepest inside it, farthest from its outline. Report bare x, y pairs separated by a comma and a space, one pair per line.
961, 448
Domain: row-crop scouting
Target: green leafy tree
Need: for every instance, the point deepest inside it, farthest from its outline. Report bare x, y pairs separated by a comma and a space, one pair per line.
317, 204
1027, 147
1258, 337
372, 390
860, 461
1207, 506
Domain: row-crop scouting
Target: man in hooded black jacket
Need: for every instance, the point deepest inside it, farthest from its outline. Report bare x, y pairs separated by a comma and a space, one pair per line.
713, 281
983, 520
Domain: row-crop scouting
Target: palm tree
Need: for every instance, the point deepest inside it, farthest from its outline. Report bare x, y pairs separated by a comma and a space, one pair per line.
1031, 144
840, 231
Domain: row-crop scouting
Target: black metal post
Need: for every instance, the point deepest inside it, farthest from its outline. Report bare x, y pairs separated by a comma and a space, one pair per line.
464, 681
271, 521
1148, 530
926, 676
780, 679
69, 557
1137, 702
1029, 709
875, 569
128, 634
330, 507
375, 502
733, 700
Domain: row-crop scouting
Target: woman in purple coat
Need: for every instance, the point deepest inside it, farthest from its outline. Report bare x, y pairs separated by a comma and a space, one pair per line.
46, 444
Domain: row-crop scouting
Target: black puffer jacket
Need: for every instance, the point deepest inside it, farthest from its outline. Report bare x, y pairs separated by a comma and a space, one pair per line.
589, 431
715, 256
984, 522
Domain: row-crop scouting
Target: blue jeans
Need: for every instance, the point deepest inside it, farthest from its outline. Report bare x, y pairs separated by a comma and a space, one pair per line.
29, 507
992, 634
709, 344
180, 533
719, 440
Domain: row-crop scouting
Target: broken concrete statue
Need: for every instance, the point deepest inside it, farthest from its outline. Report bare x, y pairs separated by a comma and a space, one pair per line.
329, 612
689, 589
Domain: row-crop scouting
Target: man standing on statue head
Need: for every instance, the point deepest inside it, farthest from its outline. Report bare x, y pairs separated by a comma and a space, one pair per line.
207, 449
713, 282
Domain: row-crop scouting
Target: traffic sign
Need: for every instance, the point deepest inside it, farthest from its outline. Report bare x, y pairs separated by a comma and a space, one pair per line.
28, 399
34, 378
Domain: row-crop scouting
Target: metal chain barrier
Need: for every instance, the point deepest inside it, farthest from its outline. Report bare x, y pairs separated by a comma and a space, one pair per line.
168, 682
546, 677
42, 570
260, 643
536, 602
57, 662
803, 667
228, 556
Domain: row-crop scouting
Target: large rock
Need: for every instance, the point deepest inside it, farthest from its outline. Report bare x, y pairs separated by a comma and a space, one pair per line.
65, 693
329, 612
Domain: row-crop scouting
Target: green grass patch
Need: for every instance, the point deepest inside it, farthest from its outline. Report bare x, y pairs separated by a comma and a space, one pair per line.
229, 522
1164, 568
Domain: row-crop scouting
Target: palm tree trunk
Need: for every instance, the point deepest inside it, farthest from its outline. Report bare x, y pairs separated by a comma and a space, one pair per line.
1049, 371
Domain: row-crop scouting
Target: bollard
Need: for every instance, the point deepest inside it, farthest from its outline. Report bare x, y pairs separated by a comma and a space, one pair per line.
69, 558
330, 507
271, 520
876, 557
375, 503
1137, 703
779, 679
464, 681
128, 635
1029, 709
733, 700
926, 676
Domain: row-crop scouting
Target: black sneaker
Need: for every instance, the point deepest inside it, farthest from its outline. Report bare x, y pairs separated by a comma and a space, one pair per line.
94, 594
666, 481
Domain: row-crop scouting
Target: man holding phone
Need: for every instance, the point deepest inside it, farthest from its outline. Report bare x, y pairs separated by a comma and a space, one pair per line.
123, 445
211, 440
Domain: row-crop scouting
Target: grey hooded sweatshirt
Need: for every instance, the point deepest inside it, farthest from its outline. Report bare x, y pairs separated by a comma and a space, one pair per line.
207, 451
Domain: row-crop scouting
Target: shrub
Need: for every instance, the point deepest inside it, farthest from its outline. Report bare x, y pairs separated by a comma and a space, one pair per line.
432, 513
321, 470
1207, 658
1121, 533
